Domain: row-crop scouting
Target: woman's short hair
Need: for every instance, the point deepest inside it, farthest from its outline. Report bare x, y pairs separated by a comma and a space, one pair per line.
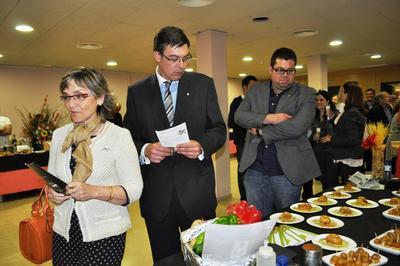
92, 79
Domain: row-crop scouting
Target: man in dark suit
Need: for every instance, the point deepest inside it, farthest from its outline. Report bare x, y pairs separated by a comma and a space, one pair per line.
382, 111
239, 133
179, 182
369, 99
277, 156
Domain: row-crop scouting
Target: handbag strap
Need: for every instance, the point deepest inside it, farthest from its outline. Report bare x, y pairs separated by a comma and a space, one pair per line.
40, 209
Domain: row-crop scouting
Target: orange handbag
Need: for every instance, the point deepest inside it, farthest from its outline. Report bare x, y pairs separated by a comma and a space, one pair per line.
36, 233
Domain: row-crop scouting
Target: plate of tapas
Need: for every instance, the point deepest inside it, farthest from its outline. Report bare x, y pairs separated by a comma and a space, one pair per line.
362, 202
334, 242
396, 193
325, 222
392, 213
322, 201
390, 202
348, 187
305, 207
337, 194
356, 256
287, 218
344, 211
388, 242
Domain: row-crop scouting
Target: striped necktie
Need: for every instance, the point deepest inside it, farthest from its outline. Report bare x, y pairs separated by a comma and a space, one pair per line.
168, 103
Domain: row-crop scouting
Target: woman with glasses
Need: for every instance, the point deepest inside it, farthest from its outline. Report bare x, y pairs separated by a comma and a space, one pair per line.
102, 175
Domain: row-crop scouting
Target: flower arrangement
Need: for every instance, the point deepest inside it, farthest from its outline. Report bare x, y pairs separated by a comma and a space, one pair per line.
377, 133
39, 126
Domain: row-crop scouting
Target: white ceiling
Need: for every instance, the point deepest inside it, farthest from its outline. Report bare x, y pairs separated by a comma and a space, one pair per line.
126, 29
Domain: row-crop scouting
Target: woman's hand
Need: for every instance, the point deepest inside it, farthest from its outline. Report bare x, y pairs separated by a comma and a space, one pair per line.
56, 197
81, 191
326, 139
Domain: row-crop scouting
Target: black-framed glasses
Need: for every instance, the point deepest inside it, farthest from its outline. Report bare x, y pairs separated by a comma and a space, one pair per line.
176, 59
282, 71
80, 97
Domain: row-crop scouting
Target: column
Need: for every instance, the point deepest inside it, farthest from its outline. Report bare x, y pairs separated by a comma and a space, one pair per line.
212, 61
318, 72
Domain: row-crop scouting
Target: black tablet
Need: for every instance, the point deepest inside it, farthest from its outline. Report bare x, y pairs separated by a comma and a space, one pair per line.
57, 184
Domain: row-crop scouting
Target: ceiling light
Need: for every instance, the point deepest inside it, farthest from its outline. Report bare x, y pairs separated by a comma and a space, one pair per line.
1, 55
375, 56
305, 33
247, 58
189, 69
335, 43
298, 67
195, 3
112, 63
89, 46
24, 28
260, 19
242, 75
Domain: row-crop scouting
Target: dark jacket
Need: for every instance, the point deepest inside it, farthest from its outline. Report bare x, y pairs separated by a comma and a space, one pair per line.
239, 133
377, 114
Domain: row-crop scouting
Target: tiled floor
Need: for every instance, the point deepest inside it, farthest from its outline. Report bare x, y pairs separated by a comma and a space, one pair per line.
137, 252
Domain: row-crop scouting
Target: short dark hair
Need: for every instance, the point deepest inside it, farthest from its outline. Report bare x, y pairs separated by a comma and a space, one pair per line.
370, 89
170, 35
283, 53
354, 97
96, 83
246, 80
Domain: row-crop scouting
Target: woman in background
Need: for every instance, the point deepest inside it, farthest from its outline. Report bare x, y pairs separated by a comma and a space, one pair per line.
103, 175
347, 137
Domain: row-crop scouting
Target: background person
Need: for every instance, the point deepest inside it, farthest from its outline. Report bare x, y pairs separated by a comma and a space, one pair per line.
382, 111
179, 184
5, 130
277, 156
117, 117
369, 99
239, 133
103, 175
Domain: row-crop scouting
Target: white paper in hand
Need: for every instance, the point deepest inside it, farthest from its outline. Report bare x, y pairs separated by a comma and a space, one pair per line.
232, 242
173, 136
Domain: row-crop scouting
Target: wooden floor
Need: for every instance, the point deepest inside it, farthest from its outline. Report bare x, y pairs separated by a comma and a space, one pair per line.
137, 251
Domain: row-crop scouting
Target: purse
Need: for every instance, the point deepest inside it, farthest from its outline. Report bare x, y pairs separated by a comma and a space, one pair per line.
36, 233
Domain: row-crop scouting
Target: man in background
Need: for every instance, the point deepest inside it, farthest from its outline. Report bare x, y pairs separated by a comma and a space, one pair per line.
382, 111
117, 119
369, 99
239, 133
5, 130
277, 156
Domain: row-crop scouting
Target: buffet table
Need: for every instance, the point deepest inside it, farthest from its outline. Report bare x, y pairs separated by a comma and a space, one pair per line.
16, 177
361, 229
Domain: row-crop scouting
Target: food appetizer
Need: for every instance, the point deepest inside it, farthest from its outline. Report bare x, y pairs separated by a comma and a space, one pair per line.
355, 257
286, 217
361, 201
395, 211
322, 200
390, 239
324, 221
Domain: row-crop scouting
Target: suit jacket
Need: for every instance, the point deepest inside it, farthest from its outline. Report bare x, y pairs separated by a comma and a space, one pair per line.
192, 179
239, 133
294, 151
349, 131
377, 114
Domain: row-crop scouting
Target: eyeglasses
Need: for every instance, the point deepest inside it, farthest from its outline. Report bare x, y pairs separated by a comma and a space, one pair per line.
80, 97
175, 59
282, 71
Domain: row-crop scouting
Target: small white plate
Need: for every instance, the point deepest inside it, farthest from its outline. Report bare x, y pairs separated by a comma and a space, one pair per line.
371, 204
391, 216
348, 243
39, 151
383, 260
396, 193
297, 218
335, 211
343, 195
314, 221
330, 202
395, 251
386, 202
314, 208
353, 189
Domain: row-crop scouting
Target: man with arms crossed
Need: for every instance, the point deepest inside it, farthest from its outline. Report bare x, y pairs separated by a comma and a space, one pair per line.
277, 157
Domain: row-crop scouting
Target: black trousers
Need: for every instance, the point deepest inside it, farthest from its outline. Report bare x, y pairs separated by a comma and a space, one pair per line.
242, 190
164, 235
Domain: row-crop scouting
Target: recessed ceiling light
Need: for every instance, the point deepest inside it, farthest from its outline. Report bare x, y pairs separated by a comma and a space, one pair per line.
375, 56
242, 74
1, 55
89, 46
298, 66
189, 69
195, 3
112, 63
305, 33
260, 19
247, 58
24, 28
335, 43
